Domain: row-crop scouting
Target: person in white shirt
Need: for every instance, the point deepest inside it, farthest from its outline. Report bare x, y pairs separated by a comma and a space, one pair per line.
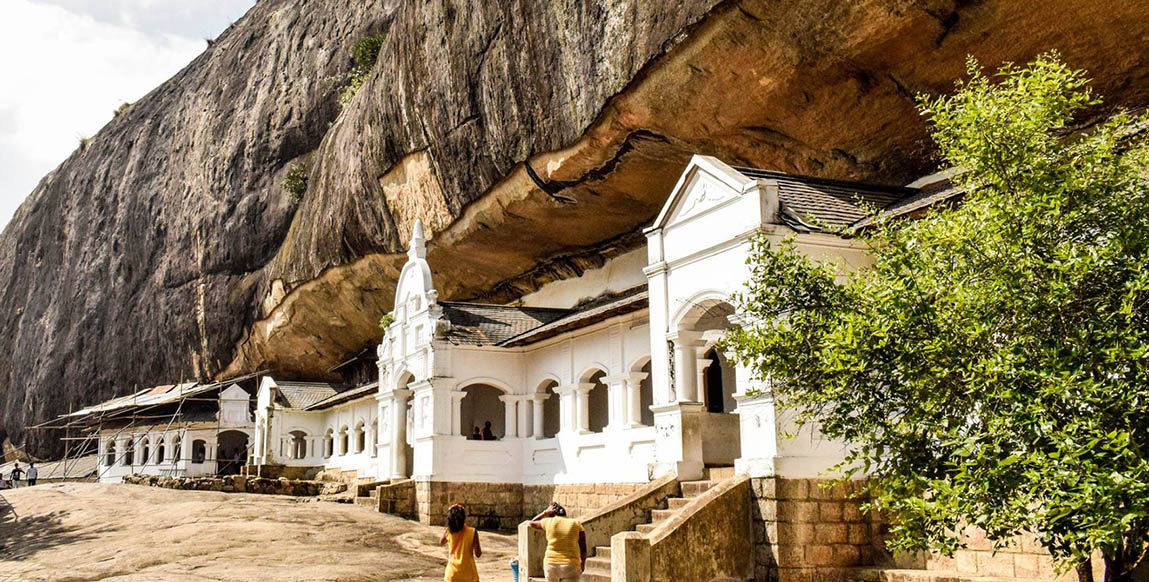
33, 472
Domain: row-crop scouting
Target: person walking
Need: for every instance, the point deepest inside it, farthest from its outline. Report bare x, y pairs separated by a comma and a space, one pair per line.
565, 559
17, 475
33, 473
465, 547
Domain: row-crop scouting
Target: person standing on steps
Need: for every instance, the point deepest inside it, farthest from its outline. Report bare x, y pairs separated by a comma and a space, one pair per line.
464, 547
33, 472
565, 559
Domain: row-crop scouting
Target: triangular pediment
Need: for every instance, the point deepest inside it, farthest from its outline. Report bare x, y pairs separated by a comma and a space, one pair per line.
234, 392
705, 183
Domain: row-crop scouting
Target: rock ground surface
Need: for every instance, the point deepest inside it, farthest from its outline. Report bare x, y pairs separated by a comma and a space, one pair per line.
80, 532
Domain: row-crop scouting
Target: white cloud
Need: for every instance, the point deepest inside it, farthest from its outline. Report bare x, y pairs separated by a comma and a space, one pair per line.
66, 65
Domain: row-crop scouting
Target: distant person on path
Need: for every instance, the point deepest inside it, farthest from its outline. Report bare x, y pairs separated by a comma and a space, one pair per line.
476, 436
566, 544
33, 472
17, 475
488, 434
464, 547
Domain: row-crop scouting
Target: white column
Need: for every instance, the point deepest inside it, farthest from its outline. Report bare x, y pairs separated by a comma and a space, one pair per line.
582, 405
457, 412
568, 410
537, 402
398, 423
510, 427
524, 406
700, 384
685, 360
616, 401
634, 398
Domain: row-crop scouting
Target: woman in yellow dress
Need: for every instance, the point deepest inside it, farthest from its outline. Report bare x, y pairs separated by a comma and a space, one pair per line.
464, 547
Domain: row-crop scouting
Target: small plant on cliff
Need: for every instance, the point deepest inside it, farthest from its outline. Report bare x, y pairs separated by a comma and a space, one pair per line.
295, 182
386, 321
122, 109
992, 367
365, 53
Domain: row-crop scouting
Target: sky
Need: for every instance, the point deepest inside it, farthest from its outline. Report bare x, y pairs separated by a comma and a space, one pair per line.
66, 65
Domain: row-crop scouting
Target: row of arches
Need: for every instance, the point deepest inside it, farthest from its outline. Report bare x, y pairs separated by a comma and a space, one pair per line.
147, 456
345, 442
482, 404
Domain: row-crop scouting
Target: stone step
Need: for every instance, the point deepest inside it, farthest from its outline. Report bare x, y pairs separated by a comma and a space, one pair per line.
366, 501
909, 575
589, 576
676, 503
645, 528
597, 565
661, 515
720, 473
602, 552
696, 488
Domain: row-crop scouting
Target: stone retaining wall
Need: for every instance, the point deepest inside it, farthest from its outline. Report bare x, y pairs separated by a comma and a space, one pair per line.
804, 531
397, 499
579, 500
240, 484
502, 506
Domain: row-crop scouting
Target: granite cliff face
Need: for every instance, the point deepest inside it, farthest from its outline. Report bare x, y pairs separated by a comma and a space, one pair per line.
533, 137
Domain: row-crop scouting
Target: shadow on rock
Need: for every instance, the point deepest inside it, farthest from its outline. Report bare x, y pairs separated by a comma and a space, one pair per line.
23, 536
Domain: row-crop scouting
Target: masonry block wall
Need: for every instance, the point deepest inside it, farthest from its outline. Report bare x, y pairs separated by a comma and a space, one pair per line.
805, 532
578, 500
502, 506
1023, 557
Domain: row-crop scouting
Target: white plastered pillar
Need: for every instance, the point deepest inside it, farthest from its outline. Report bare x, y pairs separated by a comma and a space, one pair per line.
634, 399
510, 422
396, 405
582, 405
616, 401
537, 402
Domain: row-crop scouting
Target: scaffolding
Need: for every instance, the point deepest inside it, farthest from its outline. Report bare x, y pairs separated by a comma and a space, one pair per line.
91, 424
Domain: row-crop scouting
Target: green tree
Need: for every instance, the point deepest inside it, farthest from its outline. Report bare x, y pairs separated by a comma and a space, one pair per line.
991, 367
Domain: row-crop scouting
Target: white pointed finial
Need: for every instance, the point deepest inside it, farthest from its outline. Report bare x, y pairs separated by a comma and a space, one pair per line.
418, 248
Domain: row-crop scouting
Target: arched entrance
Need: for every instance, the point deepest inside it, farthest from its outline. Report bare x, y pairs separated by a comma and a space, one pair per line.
231, 452
713, 377
481, 406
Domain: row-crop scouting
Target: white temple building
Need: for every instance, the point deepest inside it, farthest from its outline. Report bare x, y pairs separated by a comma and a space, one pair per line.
612, 377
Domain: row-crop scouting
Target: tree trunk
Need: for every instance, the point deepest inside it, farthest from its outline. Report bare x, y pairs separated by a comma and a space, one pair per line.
1118, 567
1085, 571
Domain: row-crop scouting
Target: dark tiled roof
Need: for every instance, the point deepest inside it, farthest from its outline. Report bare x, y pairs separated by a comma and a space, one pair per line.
476, 324
907, 206
346, 395
834, 203
302, 395
625, 302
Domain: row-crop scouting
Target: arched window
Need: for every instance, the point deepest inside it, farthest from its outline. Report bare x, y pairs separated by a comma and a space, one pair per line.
374, 437
177, 449
147, 451
719, 381
199, 451
328, 444
343, 440
598, 402
552, 419
298, 445
130, 452
480, 406
160, 451
360, 437
110, 454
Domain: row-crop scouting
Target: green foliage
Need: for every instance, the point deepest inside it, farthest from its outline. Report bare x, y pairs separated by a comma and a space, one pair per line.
295, 182
365, 53
386, 321
992, 367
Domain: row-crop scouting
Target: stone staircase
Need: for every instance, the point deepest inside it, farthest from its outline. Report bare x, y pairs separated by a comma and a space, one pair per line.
598, 564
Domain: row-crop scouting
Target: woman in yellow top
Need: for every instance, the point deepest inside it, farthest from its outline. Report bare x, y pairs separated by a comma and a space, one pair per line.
464, 547
566, 544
